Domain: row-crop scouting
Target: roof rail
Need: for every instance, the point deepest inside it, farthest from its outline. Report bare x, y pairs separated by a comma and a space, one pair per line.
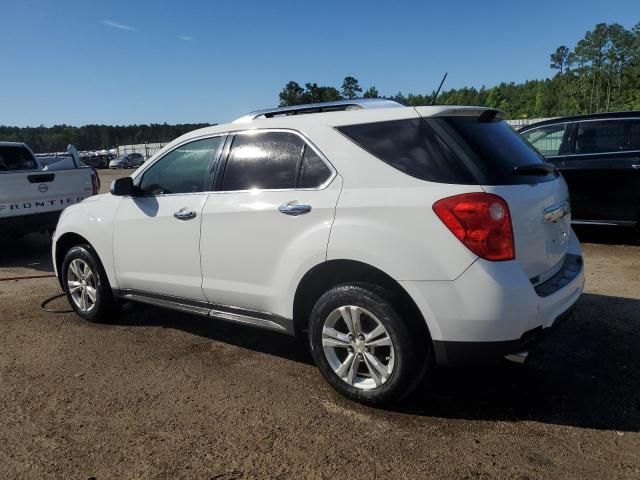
337, 106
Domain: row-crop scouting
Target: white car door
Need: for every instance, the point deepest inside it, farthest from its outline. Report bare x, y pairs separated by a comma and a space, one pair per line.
268, 222
156, 243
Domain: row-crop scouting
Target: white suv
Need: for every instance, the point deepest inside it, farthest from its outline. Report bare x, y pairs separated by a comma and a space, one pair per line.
393, 237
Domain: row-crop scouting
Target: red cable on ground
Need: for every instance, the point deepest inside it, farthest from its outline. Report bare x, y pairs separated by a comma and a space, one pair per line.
27, 277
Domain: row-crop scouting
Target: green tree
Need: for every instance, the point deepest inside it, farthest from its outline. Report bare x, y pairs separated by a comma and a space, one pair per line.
371, 92
350, 87
315, 94
93, 137
291, 94
559, 58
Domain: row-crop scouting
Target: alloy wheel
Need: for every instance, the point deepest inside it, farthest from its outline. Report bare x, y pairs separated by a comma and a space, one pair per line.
81, 283
358, 347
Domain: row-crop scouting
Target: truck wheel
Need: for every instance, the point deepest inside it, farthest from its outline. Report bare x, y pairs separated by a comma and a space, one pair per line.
363, 347
86, 285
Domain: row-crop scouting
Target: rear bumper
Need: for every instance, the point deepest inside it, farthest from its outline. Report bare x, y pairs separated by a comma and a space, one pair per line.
37, 222
465, 353
493, 309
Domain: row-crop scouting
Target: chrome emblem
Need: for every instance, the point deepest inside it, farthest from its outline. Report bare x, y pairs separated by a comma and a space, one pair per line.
43, 188
555, 212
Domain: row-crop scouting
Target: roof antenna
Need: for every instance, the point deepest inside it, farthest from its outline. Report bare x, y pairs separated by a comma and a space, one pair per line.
433, 102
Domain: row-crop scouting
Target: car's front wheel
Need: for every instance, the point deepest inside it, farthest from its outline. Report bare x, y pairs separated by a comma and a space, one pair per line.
86, 284
362, 345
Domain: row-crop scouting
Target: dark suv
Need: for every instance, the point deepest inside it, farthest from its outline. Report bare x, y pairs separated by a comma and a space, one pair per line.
599, 156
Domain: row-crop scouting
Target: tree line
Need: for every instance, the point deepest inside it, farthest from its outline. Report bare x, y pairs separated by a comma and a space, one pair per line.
94, 137
601, 73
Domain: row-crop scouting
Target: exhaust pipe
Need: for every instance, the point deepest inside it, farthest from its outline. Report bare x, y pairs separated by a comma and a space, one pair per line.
519, 357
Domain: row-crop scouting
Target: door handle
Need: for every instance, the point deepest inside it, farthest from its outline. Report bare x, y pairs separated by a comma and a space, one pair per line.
294, 209
636, 166
184, 214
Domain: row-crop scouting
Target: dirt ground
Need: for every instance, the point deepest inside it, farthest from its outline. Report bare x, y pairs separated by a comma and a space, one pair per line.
160, 394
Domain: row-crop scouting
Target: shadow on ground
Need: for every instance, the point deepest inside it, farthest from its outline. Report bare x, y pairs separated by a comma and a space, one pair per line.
251, 338
586, 373
32, 252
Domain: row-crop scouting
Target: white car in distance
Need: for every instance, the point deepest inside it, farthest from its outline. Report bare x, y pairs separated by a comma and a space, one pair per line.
391, 237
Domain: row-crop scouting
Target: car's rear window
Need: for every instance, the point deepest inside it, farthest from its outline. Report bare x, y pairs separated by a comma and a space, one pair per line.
494, 148
16, 158
458, 149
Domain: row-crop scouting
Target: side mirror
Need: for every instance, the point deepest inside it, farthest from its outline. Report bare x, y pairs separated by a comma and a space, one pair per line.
123, 186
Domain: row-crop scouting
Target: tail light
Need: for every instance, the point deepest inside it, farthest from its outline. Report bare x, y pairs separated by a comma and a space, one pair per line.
95, 183
481, 221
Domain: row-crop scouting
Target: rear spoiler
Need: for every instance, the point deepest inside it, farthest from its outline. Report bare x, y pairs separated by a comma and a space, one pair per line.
458, 111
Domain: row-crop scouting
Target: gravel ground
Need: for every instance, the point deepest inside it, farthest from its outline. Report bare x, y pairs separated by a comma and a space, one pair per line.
159, 394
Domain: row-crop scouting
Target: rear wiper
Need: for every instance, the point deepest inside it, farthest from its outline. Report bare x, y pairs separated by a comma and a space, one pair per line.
534, 169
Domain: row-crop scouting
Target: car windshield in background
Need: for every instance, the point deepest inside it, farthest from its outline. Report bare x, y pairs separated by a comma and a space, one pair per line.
460, 150
16, 158
547, 140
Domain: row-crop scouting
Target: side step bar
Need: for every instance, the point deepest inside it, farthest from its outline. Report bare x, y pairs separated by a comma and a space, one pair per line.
247, 319
268, 321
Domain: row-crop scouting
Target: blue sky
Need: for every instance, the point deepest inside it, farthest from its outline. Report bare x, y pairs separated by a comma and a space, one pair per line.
126, 62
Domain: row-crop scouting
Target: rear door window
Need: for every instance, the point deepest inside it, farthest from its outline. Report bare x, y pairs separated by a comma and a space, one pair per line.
608, 136
632, 141
263, 160
600, 137
313, 171
16, 158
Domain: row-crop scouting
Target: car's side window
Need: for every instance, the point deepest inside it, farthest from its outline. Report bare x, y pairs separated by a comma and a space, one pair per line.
606, 136
273, 161
263, 160
547, 140
183, 170
632, 141
313, 171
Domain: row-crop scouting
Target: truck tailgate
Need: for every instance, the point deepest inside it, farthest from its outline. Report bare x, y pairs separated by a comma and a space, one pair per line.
33, 192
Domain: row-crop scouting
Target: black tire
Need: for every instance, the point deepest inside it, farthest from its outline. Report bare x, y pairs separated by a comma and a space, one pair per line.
104, 307
410, 349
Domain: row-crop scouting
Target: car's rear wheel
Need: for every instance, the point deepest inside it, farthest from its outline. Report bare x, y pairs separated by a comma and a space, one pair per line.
363, 347
86, 284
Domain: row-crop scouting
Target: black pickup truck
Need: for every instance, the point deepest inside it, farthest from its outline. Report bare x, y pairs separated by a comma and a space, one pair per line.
599, 156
